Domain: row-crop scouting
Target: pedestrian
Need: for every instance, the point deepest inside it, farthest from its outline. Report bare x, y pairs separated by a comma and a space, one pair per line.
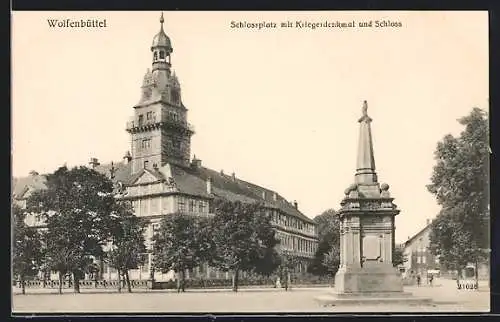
418, 280
430, 279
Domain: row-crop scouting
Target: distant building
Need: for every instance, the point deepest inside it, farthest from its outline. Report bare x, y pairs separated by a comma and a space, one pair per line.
421, 261
160, 178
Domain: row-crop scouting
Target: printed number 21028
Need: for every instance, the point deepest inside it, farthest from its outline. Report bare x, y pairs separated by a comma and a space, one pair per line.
467, 286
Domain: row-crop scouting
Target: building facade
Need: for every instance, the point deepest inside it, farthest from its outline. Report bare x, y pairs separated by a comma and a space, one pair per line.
420, 261
159, 177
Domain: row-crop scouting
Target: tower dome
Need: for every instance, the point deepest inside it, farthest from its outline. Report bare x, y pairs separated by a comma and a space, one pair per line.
161, 39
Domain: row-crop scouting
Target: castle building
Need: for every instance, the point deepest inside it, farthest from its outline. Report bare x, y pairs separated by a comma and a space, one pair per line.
159, 176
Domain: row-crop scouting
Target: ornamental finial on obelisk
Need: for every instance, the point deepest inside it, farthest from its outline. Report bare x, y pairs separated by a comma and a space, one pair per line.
365, 116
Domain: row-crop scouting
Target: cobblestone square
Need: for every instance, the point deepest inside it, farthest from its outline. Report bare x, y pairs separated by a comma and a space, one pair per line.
445, 296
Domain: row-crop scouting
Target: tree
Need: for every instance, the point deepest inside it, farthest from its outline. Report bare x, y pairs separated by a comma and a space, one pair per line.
76, 206
127, 241
181, 245
398, 257
329, 241
288, 263
243, 236
331, 261
460, 183
27, 248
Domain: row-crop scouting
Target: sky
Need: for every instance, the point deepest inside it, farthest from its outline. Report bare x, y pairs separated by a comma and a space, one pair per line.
278, 106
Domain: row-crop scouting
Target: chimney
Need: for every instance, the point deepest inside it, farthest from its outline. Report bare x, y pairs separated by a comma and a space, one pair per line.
209, 185
295, 204
428, 221
234, 176
94, 163
195, 163
221, 172
127, 157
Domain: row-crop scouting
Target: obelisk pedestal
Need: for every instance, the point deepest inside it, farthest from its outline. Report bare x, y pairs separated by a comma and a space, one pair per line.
366, 273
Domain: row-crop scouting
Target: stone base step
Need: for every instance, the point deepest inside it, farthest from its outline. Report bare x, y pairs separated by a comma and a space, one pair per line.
358, 299
344, 295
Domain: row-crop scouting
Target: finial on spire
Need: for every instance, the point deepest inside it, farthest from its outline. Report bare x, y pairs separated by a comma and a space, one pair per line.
162, 20
365, 108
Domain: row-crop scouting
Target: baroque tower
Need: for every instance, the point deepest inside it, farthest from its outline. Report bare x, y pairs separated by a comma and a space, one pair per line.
159, 129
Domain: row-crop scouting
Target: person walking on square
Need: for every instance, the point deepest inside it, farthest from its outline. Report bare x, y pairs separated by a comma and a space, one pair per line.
430, 279
418, 280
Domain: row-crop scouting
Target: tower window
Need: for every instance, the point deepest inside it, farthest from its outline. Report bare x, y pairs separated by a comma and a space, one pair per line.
146, 144
155, 56
141, 120
146, 164
149, 115
162, 54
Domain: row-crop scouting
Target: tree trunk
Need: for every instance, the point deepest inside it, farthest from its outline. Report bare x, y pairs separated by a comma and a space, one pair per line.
23, 284
129, 288
178, 280
183, 280
60, 282
76, 281
44, 280
235, 283
287, 279
118, 271
476, 274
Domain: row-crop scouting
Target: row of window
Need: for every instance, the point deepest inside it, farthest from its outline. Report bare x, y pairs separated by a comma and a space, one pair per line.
173, 116
145, 144
291, 222
296, 243
191, 205
421, 259
161, 54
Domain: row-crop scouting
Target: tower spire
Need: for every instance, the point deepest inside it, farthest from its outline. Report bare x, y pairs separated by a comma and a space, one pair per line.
162, 20
365, 167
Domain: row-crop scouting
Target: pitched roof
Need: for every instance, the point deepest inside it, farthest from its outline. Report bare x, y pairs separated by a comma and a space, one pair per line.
21, 185
412, 238
193, 181
37, 181
122, 170
188, 180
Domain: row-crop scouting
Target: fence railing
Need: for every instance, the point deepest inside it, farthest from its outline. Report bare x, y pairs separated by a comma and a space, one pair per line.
195, 283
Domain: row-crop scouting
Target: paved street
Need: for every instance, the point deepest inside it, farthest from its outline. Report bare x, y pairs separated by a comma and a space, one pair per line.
446, 298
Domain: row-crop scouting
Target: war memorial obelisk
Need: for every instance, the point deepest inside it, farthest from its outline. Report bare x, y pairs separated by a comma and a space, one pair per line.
367, 213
